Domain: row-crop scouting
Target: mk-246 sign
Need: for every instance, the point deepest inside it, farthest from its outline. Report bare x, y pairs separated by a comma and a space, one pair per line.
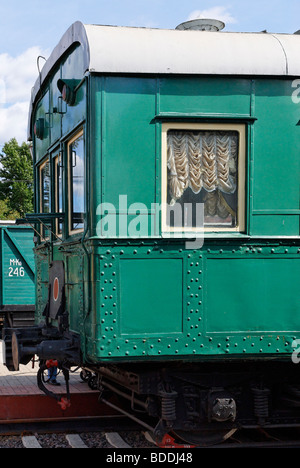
15, 268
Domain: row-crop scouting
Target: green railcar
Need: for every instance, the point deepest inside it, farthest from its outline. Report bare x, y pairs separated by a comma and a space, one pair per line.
167, 201
17, 276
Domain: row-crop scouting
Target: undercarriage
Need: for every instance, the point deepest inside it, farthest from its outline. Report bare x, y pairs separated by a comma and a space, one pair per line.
204, 403
200, 403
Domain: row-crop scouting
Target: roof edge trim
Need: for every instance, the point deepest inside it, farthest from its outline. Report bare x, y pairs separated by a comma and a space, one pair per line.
76, 33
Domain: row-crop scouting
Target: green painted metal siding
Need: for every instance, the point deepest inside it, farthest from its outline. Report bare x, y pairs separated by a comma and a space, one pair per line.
126, 137
205, 95
236, 295
153, 298
55, 107
129, 154
149, 303
222, 299
17, 266
42, 112
60, 119
257, 294
275, 160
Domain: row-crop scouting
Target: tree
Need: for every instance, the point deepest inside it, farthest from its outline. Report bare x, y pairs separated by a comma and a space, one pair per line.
16, 178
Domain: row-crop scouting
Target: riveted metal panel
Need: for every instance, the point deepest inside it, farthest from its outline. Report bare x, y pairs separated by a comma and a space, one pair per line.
149, 302
257, 293
222, 300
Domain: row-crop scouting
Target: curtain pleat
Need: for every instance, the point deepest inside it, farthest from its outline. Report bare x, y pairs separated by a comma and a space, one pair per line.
203, 159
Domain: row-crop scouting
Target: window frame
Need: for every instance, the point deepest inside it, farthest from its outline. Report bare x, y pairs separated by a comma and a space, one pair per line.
41, 166
240, 128
58, 155
78, 134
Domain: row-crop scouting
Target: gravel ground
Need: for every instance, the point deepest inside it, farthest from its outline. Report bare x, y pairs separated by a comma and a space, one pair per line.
98, 440
52, 440
136, 439
95, 440
10, 442
92, 440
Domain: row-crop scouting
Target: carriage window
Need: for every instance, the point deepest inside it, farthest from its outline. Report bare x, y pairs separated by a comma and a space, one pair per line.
76, 182
205, 166
58, 170
45, 192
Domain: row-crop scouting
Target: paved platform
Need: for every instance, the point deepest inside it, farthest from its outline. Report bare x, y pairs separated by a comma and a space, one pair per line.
21, 399
25, 382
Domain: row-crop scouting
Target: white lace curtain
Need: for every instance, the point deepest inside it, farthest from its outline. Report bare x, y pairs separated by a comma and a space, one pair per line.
202, 159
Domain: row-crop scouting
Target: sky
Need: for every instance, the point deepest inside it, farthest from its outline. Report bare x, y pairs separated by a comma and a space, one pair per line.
33, 27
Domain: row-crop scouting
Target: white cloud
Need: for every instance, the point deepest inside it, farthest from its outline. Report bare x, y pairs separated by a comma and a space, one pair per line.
17, 77
218, 12
13, 122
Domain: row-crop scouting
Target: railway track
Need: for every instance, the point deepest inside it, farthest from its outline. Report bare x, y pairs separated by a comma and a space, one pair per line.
111, 440
36, 421
104, 440
131, 438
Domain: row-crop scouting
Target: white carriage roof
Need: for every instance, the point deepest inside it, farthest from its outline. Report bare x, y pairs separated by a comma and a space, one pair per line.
141, 50
112, 49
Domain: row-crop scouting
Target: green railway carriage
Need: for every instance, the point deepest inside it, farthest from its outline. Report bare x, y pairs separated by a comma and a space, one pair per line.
17, 275
167, 199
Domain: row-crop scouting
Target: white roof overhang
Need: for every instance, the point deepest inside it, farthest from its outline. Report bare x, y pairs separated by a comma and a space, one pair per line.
126, 50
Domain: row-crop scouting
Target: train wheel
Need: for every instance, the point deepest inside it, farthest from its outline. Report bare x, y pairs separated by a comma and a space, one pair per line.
85, 375
203, 438
93, 382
